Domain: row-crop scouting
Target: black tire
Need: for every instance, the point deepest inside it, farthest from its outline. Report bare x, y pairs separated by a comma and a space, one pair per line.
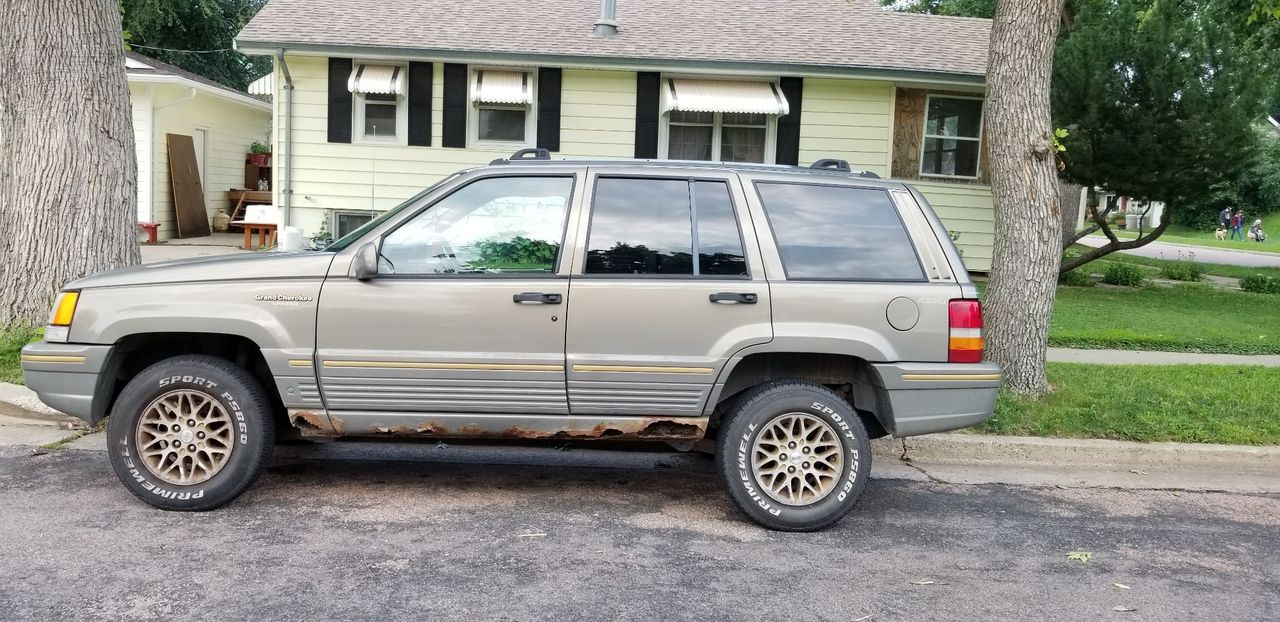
251, 431
752, 414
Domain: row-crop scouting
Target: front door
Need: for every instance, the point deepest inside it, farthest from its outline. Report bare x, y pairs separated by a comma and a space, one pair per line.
466, 314
665, 289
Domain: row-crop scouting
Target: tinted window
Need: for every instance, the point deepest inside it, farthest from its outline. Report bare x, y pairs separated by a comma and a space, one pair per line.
719, 244
499, 225
644, 226
830, 232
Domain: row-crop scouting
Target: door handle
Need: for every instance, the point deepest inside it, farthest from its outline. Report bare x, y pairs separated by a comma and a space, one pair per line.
734, 298
536, 298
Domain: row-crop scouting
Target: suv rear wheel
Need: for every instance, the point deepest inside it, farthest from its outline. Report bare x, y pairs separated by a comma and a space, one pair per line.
190, 433
794, 455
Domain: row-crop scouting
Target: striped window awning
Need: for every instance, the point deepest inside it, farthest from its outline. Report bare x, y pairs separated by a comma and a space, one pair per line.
266, 85
502, 87
723, 96
380, 79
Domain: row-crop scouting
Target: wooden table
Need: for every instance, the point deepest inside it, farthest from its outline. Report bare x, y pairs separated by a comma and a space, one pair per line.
241, 197
265, 230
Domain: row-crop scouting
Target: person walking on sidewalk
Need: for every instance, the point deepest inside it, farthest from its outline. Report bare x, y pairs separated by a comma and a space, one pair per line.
1237, 225
1224, 218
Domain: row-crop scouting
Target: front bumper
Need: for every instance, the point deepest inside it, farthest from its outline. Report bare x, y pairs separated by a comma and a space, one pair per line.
936, 397
65, 376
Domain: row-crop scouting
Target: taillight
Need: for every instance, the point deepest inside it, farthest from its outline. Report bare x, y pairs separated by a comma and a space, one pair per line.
965, 342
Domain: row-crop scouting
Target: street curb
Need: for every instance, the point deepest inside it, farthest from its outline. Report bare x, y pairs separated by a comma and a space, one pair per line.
1067, 452
22, 403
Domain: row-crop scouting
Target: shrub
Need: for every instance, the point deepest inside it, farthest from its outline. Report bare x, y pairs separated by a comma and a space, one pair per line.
1181, 271
1125, 274
1260, 284
1076, 278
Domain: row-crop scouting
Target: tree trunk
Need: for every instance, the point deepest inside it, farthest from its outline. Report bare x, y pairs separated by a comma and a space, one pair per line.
1070, 211
1028, 222
68, 173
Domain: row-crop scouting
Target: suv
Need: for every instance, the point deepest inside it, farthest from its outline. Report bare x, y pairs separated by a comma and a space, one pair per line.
785, 314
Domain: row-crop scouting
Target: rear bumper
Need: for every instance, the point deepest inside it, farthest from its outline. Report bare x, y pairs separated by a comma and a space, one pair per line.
65, 375
936, 397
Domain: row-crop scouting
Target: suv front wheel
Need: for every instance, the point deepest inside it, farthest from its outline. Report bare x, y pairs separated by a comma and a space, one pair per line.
190, 433
794, 455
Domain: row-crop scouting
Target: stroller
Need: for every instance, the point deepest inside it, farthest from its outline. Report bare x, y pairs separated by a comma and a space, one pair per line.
1256, 233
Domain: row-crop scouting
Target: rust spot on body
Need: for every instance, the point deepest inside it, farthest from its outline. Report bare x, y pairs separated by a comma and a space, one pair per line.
623, 428
311, 423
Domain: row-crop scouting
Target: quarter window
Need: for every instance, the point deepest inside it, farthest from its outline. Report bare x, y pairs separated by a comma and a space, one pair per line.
494, 226
839, 233
646, 227
952, 137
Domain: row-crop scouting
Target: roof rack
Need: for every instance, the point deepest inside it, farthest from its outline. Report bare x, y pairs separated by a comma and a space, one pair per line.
525, 154
842, 166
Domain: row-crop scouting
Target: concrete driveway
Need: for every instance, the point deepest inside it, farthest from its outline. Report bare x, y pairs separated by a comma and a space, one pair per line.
1198, 254
424, 532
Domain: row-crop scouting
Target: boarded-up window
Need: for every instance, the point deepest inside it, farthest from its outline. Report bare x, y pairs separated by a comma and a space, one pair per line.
939, 136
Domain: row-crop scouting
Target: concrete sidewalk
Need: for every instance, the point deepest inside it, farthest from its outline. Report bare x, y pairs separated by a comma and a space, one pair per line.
1198, 254
1138, 357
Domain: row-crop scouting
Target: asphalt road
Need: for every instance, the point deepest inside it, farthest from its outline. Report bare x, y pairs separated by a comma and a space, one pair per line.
428, 532
1199, 254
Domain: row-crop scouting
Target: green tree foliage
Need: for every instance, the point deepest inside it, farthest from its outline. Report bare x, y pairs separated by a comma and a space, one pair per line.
957, 8
200, 25
1161, 98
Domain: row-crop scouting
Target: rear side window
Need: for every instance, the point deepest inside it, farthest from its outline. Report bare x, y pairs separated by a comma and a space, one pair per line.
659, 227
839, 233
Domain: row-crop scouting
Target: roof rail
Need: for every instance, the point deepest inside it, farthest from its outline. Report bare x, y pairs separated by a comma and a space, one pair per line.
833, 164
525, 154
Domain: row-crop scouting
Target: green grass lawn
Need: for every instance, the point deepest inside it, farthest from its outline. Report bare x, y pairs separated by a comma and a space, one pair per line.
1235, 272
1178, 234
1185, 318
1149, 403
11, 342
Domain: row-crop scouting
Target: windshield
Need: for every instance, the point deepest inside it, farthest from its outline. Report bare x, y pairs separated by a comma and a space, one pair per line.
350, 238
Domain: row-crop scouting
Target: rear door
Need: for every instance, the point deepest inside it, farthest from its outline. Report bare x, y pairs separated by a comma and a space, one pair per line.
667, 285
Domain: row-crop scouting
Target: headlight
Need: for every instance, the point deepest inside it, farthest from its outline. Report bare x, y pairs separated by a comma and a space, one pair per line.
64, 310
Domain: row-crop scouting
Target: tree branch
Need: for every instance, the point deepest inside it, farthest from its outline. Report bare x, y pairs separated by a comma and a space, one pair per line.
1113, 246
1096, 226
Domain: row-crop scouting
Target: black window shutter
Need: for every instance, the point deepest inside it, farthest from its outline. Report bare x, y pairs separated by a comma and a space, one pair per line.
648, 84
339, 100
549, 108
420, 76
789, 126
455, 106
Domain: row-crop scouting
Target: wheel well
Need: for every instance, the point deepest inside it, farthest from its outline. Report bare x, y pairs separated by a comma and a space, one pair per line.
850, 376
134, 353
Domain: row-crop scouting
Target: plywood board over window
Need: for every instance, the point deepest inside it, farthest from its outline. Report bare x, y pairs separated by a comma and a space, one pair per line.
188, 193
910, 113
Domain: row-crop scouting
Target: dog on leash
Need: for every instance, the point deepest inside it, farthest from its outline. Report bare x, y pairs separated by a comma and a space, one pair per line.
1221, 233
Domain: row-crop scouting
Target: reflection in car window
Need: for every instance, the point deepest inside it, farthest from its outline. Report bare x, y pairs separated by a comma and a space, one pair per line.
839, 233
645, 226
498, 225
719, 244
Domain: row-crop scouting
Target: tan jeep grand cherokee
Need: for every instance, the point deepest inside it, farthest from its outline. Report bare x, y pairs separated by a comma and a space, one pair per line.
787, 314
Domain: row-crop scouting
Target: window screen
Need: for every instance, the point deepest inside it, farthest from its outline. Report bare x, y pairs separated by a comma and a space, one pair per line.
645, 226
839, 233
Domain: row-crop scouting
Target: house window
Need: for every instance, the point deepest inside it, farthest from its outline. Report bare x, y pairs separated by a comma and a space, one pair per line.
504, 108
725, 121
379, 106
952, 137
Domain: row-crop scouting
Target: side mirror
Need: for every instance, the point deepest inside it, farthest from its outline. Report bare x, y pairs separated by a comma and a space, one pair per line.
365, 264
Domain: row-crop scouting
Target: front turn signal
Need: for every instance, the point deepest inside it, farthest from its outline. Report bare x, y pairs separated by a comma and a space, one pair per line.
64, 309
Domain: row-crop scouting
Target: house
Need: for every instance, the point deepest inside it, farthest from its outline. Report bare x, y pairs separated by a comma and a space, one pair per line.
376, 100
220, 122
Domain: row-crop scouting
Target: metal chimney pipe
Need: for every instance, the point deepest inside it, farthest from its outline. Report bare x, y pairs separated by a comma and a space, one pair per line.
607, 25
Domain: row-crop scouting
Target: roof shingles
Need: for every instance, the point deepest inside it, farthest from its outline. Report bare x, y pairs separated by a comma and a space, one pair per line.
840, 34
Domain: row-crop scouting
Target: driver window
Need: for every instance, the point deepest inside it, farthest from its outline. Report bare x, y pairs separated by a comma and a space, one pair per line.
498, 226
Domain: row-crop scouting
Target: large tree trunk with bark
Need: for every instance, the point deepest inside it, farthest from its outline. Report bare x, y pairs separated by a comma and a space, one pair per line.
1028, 223
68, 173
1070, 211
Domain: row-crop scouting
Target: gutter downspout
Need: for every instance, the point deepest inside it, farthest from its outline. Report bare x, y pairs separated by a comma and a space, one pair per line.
286, 184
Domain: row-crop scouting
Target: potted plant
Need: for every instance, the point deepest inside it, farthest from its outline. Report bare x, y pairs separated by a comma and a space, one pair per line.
260, 153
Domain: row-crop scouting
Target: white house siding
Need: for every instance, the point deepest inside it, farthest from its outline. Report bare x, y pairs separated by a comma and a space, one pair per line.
231, 127
967, 210
597, 120
847, 119
140, 102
